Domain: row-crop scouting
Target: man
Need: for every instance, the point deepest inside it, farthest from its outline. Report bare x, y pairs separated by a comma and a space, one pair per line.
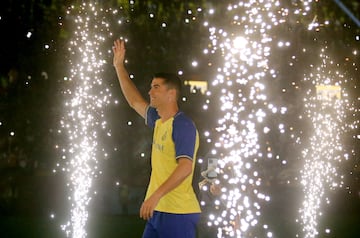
170, 206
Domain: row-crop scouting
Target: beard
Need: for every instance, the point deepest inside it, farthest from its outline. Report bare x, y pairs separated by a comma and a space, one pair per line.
152, 104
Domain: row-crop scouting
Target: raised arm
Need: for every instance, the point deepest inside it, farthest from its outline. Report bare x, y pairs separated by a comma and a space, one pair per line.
131, 93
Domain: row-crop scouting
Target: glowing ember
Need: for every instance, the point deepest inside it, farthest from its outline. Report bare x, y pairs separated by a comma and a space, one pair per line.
84, 111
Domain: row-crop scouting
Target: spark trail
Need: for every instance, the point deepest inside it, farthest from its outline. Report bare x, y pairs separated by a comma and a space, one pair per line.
245, 48
84, 117
327, 110
328, 107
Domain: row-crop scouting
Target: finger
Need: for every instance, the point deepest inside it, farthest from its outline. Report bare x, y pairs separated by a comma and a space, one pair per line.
114, 47
146, 214
142, 211
117, 43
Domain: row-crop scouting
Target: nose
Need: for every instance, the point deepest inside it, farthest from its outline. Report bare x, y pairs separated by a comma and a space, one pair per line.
150, 91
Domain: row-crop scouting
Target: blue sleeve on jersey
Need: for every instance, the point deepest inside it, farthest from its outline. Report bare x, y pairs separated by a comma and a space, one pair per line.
184, 136
151, 116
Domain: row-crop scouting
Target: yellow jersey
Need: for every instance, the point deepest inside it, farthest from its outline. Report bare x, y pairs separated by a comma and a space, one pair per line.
175, 138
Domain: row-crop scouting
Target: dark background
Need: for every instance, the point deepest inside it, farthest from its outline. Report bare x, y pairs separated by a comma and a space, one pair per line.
32, 72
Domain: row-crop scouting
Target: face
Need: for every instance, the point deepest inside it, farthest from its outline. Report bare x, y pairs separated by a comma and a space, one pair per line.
159, 93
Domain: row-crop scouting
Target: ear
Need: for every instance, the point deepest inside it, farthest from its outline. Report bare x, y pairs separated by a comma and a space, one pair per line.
172, 95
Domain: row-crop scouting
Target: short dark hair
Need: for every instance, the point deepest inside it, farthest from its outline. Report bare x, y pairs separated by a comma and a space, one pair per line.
171, 80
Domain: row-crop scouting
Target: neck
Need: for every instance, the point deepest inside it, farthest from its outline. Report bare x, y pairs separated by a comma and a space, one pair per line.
166, 113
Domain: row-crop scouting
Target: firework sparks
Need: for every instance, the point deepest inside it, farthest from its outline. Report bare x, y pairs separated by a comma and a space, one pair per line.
244, 106
84, 111
327, 106
327, 110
